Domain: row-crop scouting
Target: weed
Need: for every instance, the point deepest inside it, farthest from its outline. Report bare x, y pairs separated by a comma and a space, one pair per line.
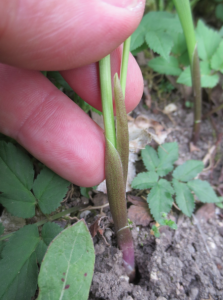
183, 185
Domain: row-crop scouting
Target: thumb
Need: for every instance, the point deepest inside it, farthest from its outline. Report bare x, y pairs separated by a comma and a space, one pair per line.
59, 35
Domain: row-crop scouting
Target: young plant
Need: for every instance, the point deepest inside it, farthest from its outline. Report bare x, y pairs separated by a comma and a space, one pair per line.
183, 185
116, 154
178, 52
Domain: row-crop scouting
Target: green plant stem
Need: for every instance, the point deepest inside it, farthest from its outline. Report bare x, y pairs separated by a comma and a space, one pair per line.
124, 66
49, 219
184, 12
213, 111
106, 98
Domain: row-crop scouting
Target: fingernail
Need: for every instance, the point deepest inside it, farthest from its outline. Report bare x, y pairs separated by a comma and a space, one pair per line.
132, 5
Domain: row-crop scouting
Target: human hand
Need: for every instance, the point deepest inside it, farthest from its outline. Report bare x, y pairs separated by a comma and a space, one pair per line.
70, 36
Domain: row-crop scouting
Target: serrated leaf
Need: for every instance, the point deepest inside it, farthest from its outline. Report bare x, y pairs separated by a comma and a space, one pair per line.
145, 180
40, 251
203, 191
150, 158
160, 42
179, 44
188, 170
16, 179
162, 21
207, 78
217, 59
208, 40
184, 198
48, 233
160, 199
67, 268
167, 67
168, 154
137, 38
139, 49
18, 268
49, 188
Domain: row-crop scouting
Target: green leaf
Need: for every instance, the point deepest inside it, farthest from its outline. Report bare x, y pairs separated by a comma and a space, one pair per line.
85, 191
203, 191
184, 198
208, 40
84, 105
162, 21
137, 38
48, 233
219, 11
16, 179
160, 42
49, 188
221, 31
58, 80
67, 268
18, 268
220, 202
139, 49
168, 154
154, 21
217, 59
156, 231
40, 251
207, 78
150, 158
145, 180
179, 44
1, 229
160, 199
188, 170
163, 66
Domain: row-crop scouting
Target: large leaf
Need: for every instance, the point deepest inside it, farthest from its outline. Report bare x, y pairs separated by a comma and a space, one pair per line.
184, 198
217, 59
48, 233
67, 268
203, 191
168, 154
167, 67
160, 42
207, 78
160, 199
150, 158
16, 179
145, 180
188, 170
18, 267
49, 189
208, 40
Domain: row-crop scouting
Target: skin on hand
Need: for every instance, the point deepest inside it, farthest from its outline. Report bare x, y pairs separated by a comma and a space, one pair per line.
43, 35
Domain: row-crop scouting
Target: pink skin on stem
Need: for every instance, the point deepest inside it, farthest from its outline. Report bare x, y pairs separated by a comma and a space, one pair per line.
43, 35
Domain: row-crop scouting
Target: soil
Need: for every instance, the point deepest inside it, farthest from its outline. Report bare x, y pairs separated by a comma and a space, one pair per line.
182, 264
